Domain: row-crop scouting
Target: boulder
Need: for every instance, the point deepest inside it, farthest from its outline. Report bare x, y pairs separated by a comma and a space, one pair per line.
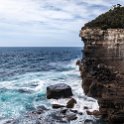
59, 91
71, 103
78, 62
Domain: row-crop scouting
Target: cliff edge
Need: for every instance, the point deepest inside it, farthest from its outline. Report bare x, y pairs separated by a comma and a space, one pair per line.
102, 66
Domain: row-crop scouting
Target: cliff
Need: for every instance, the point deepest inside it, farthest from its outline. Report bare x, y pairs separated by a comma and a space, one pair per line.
102, 70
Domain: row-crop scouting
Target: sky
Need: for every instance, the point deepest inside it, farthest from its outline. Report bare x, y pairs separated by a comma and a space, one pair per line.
47, 22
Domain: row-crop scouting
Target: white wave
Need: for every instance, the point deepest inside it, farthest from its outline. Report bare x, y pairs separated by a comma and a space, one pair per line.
23, 85
41, 85
72, 63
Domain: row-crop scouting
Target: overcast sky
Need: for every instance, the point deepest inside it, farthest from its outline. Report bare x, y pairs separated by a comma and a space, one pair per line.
47, 22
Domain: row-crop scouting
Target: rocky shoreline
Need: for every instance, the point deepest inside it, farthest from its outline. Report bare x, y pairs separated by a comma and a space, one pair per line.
60, 113
102, 70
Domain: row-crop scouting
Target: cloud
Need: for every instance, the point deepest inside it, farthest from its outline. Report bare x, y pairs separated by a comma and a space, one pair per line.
47, 18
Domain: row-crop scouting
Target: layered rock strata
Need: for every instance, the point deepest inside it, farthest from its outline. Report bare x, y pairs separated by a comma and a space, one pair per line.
102, 70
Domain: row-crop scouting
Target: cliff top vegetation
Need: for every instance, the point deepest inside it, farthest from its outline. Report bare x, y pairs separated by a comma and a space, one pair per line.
114, 18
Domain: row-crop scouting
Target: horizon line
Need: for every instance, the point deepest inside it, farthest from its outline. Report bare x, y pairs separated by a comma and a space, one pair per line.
36, 46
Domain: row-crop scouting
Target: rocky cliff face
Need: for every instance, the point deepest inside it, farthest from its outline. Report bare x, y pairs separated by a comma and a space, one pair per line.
102, 70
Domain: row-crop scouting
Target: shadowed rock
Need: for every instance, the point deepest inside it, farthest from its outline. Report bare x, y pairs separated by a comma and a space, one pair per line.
56, 106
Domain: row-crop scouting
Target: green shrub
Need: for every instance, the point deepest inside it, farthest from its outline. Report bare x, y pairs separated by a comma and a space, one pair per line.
114, 18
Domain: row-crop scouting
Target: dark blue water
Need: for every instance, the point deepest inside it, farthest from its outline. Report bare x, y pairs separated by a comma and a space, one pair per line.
16, 61
26, 72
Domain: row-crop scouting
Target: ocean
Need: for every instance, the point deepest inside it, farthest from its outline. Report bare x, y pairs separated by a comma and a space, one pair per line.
26, 72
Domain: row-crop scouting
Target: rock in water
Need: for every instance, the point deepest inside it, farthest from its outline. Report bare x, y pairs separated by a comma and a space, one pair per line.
71, 103
56, 106
71, 116
59, 91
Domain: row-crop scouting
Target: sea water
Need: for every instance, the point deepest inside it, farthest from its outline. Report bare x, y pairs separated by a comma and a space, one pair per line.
26, 72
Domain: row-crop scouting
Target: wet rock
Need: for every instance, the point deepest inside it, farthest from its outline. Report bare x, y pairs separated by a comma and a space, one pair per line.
64, 111
71, 103
95, 113
85, 107
76, 112
56, 106
12, 121
24, 91
71, 116
88, 121
65, 115
78, 62
45, 116
42, 108
59, 91
80, 113
89, 113
38, 111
